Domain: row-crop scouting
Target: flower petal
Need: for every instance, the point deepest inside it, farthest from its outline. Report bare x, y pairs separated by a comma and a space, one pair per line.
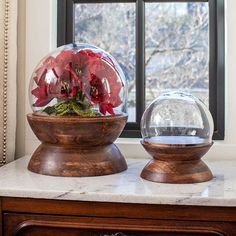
105, 107
64, 58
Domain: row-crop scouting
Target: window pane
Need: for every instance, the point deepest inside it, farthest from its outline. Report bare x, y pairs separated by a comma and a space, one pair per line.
111, 26
177, 49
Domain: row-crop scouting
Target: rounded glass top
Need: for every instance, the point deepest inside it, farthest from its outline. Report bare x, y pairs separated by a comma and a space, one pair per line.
78, 79
177, 118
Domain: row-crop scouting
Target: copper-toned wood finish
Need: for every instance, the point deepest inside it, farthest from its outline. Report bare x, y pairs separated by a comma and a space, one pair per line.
75, 146
38, 225
176, 163
71, 218
119, 210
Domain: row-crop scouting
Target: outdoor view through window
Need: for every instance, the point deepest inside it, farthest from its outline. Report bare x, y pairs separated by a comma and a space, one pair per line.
176, 44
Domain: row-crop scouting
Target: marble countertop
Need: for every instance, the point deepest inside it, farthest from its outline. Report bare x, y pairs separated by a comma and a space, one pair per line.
128, 187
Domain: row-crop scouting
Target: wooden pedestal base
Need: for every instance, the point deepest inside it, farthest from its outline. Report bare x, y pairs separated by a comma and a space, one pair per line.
75, 146
176, 163
74, 161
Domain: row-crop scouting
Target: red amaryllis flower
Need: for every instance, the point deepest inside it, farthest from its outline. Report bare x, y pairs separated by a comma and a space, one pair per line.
41, 93
96, 90
65, 87
70, 72
62, 61
104, 86
42, 70
82, 62
62, 83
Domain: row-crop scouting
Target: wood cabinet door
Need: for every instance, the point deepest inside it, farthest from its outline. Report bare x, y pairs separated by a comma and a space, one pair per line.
46, 225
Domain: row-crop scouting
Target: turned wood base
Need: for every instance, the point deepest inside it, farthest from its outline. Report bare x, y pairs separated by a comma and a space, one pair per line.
77, 146
74, 161
176, 172
176, 163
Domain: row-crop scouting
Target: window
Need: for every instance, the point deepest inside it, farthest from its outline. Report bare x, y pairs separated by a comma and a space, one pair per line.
161, 46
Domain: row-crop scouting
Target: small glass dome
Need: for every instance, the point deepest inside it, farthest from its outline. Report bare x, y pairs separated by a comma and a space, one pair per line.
177, 118
78, 79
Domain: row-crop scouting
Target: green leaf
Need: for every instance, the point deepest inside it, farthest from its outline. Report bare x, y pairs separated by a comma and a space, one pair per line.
72, 107
62, 108
50, 110
62, 113
82, 112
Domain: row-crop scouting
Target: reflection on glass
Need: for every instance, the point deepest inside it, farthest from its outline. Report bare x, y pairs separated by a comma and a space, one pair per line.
177, 49
111, 26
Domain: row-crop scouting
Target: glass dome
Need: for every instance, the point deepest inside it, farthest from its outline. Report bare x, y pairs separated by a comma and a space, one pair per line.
78, 79
177, 118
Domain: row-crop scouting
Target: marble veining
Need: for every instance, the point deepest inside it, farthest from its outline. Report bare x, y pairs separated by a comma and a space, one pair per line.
17, 181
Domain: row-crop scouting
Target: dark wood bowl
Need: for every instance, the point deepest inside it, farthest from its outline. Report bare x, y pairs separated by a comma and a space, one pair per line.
176, 163
77, 146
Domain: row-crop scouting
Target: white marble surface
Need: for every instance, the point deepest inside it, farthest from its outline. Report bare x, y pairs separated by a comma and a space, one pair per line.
17, 181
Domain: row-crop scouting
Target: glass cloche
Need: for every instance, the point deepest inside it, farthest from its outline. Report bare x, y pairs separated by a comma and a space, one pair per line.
78, 79
177, 118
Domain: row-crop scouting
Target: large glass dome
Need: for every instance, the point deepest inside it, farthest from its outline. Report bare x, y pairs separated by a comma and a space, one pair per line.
78, 79
177, 118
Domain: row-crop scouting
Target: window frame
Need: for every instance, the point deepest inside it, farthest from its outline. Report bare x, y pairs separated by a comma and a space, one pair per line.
65, 26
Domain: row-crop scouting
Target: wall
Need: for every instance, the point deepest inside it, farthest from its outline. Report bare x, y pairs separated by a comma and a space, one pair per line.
41, 38
37, 37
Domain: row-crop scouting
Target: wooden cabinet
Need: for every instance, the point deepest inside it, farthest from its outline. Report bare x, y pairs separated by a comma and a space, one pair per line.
26, 217
38, 225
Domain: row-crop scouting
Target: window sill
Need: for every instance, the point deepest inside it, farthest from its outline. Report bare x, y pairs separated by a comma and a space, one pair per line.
131, 148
